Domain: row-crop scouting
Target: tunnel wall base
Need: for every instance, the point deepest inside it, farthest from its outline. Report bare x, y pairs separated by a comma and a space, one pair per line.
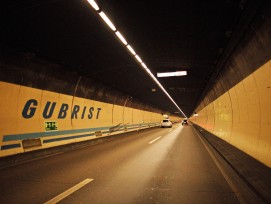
256, 176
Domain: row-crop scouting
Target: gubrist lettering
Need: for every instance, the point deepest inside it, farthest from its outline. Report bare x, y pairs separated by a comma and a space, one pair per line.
77, 112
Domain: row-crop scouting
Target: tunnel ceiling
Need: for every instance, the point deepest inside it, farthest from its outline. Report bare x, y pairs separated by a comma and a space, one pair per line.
168, 35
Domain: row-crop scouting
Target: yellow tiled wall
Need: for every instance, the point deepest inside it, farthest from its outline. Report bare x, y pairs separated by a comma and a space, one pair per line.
242, 115
25, 112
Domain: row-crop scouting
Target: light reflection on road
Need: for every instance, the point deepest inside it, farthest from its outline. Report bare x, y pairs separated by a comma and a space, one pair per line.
133, 175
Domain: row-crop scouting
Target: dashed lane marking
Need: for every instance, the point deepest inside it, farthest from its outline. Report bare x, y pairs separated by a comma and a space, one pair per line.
69, 191
154, 140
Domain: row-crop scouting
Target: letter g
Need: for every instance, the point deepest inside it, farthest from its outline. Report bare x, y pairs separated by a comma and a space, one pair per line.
30, 108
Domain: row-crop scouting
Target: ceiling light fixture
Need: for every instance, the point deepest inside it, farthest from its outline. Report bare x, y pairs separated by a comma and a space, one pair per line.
107, 20
93, 4
144, 66
111, 25
171, 74
121, 38
138, 58
131, 50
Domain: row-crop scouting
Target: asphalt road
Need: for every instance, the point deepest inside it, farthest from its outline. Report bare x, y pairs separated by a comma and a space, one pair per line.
161, 165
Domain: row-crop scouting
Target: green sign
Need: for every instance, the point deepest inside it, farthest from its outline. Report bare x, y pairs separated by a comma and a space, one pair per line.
50, 126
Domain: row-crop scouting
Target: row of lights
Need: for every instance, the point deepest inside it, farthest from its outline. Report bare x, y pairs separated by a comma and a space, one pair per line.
131, 50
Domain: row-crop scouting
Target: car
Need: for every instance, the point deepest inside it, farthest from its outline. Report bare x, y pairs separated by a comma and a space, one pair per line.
166, 123
185, 122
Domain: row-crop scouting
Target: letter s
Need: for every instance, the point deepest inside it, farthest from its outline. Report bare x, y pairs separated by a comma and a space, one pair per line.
91, 109
30, 108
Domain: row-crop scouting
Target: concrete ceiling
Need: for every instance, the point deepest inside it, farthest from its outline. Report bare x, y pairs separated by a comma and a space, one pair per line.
168, 35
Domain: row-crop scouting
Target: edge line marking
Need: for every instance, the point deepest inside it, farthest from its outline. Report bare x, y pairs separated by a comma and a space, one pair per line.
222, 171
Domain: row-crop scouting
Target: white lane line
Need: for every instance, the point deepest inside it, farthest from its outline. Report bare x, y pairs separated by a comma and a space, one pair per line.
69, 191
155, 140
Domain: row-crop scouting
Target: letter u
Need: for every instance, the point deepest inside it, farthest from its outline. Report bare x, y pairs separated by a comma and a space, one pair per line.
49, 108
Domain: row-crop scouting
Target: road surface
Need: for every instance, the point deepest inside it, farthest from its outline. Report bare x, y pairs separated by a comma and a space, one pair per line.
159, 165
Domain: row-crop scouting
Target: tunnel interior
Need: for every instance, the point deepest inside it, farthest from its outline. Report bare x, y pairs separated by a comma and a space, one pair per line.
193, 36
71, 79
58, 58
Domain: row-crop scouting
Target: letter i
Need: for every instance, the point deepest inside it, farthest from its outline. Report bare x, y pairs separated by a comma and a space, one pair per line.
83, 113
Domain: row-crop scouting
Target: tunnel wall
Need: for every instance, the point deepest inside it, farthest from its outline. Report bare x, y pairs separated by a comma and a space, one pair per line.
237, 106
43, 106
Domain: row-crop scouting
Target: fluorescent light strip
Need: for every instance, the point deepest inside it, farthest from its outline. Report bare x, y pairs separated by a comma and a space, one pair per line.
122, 39
149, 71
131, 50
146, 68
111, 25
107, 20
143, 65
93, 4
171, 74
157, 82
138, 58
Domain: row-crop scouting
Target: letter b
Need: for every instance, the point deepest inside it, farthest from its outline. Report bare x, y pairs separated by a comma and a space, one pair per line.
63, 111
